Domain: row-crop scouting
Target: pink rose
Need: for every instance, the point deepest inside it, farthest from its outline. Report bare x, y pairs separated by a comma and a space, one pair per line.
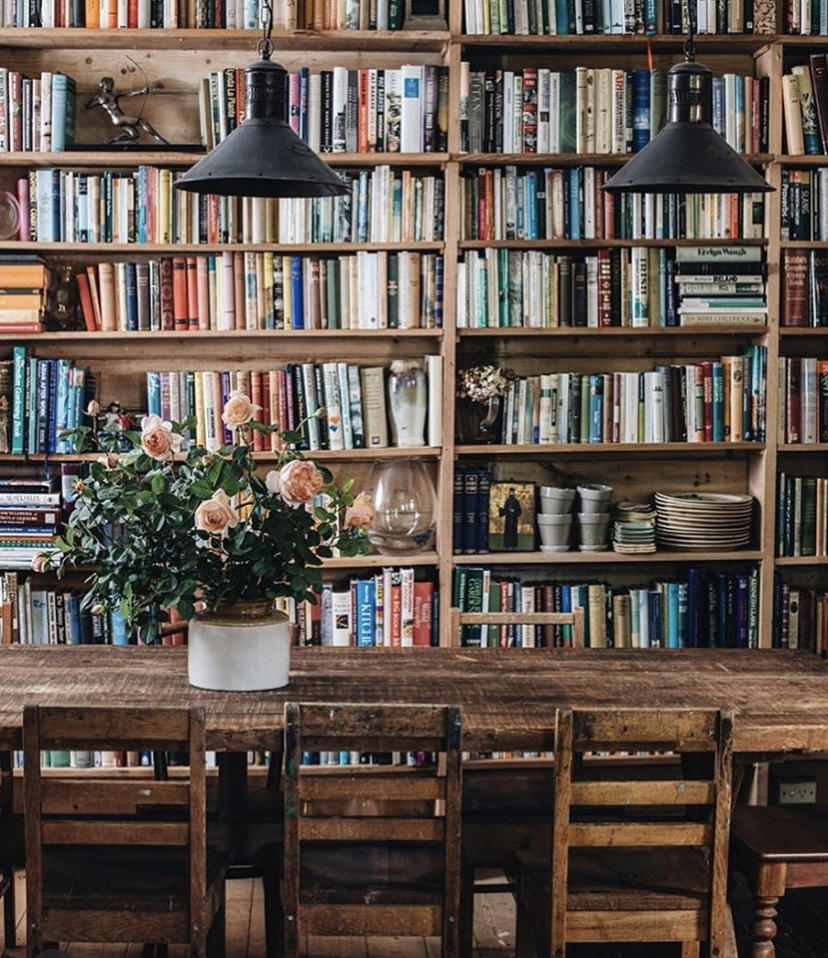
40, 563
238, 410
300, 481
216, 515
93, 408
109, 461
157, 438
361, 514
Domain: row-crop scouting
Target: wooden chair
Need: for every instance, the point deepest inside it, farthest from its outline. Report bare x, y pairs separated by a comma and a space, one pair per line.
92, 876
11, 851
622, 868
504, 811
776, 849
372, 850
575, 619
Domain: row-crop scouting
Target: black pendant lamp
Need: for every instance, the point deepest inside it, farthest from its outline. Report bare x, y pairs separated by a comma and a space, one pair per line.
263, 156
688, 155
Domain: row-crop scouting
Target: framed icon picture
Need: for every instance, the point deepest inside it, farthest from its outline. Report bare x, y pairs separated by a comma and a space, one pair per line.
512, 517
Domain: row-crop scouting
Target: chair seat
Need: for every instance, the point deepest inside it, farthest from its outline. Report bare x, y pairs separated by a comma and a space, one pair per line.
624, 879
392, 874
781, 834
109, 878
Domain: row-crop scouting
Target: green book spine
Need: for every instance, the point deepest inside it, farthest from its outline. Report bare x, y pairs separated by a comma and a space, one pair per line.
18, 400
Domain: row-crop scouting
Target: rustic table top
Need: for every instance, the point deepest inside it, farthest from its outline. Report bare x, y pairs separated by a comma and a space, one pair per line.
508, 696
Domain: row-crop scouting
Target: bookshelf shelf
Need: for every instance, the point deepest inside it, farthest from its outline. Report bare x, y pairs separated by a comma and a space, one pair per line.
332, 337
550, 244
101, 157
801, 448
803, 244
627, 43
326, 455
568, 159
86, 249
211, 39
604, 558
378, 561
791, 561
690, 450
813, 159
617, 332
798, 332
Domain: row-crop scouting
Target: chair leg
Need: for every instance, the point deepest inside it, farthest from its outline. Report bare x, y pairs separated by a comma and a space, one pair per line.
466, 911
273, 916
217, 936
9, 915
690, 949
526, 945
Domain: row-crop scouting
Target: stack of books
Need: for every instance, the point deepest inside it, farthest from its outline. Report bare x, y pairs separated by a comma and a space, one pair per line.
24, 286
29, 519
721, 285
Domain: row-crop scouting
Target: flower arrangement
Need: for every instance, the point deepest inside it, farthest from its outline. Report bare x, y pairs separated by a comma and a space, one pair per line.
169, 524
482, 383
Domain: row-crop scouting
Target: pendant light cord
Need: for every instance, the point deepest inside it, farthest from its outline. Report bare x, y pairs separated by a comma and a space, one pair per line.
265, 46
689, 43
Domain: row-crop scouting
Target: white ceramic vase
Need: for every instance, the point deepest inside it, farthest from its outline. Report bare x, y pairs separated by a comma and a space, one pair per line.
407, 402
239, 648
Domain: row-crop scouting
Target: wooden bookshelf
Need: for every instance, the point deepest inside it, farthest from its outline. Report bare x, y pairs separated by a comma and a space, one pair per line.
173, 61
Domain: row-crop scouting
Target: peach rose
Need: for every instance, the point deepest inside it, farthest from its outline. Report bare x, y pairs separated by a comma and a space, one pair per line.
97, 609
361, 514
40, 563
109, 461
273, 482
157, 438
299, 482
93, 408
238, 410
216, 515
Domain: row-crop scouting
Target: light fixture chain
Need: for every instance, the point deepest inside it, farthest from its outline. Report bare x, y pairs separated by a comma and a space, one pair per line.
266, 44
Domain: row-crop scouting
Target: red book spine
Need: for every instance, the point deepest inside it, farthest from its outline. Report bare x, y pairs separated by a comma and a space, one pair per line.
165, 271
363, 97
181, 312
423, 600
86, 302
192, 293
795, 287
530, 110
707, 373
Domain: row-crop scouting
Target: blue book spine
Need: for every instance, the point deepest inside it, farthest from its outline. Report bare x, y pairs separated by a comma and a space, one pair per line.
722, 639
58, 118
57, 207
566, 606
596, 408
18, 400
52, 410
141, 205
719, 106
62, 400
131, 297
118, 628
683, 614
672, 615
641, 109
741, 610
562, 17
739, 86
297, 292
365, 612
717, 374
575, 203
304, 81
694, 600
154, 394
655, 608
650, 17
531, 180
73, 620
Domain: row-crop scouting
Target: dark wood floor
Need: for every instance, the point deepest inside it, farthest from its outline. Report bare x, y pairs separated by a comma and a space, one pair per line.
803, 932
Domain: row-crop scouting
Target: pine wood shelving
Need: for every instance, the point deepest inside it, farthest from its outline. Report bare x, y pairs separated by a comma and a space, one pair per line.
800, 561
176, 59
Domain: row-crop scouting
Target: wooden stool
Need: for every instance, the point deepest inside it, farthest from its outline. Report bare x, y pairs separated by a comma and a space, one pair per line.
776, 849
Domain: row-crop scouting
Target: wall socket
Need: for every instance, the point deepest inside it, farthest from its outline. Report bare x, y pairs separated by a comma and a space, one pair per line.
802, 792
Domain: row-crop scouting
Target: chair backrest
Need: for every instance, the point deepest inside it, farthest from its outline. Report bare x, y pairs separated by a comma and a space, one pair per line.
71, 811
574, 619
375, 805
639, 801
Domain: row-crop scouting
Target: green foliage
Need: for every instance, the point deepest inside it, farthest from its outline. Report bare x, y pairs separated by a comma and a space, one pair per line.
136, 523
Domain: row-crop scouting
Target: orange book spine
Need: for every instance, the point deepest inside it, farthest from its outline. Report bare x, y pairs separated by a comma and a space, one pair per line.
192, 293
86, 302
363, 97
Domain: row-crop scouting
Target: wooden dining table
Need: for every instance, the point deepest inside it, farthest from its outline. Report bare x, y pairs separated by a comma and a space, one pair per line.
508, 696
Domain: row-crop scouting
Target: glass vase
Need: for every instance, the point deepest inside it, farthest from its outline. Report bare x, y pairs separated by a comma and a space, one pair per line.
406, 504
407, 402
476, 422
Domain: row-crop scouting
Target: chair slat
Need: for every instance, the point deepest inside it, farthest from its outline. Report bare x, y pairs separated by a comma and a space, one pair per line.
371, 829
90, 797
575, 618
369, 787
80, 924
675, 792
381, 741
69, 832
666, 834
328, 919
683, 730
679, 925
66, 728
353, 720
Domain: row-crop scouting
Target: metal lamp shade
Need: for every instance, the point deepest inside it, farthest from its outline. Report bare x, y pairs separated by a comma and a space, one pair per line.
263, 156
688, 155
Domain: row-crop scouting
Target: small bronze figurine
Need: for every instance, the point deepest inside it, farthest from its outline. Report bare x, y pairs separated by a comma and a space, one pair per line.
130, 126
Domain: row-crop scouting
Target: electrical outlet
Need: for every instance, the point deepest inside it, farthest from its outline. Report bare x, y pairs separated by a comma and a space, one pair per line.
797, 792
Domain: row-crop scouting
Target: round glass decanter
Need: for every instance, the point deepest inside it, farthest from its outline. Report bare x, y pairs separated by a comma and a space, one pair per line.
406, 504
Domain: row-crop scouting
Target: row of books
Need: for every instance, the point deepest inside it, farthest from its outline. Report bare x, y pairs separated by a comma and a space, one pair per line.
804, 197
512, 203
205, 14
36, 114
595, 110
597, 17
803, 405
698, 402
34, 616
48, 397
353, 397
264, 291
638, 287
804, 287
401, 110
800, 617
720, 285
705, 610
389, 609
801, 515
63, 205
470, 509
30, 517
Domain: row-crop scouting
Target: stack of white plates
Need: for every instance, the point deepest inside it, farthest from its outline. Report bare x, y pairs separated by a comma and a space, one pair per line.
706, 521
634, 529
